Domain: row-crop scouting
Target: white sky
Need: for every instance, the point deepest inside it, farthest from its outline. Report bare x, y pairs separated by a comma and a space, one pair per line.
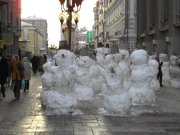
50, 10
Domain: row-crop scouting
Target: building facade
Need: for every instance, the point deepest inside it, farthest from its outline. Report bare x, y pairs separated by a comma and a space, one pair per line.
98, 28
31, 40
115, 23
10, 26
158, 25
40, 24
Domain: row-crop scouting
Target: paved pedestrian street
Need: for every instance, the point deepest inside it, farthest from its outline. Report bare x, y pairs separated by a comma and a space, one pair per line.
27, 117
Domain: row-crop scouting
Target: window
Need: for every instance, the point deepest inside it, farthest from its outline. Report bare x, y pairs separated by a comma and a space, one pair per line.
177, 11
153, 14
164, 12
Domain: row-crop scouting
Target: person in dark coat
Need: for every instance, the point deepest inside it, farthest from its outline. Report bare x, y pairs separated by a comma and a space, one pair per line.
3, 73
34, 62
160, 74
9, 79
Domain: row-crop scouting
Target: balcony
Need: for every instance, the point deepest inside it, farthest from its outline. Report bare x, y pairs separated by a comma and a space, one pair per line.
177, 24
164, 24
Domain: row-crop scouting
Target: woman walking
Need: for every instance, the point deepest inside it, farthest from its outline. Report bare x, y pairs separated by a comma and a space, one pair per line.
17, 75
27, 72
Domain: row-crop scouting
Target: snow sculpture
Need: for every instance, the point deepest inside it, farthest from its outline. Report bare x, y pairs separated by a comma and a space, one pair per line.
116, 98
174, 72
59, 98
101, 53
153, 64
83, 82
47, 78
141, 77
163, 57
64, 74
124, 65
166, 73
97, 78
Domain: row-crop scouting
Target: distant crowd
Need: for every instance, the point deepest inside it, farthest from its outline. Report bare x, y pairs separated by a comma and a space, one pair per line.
15, 72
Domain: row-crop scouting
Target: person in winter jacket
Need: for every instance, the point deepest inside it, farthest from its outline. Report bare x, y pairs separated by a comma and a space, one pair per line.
27, 72
160, 74
3, 73
17, 75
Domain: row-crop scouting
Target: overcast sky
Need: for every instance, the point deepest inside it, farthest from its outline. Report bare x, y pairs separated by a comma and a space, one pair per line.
50, 10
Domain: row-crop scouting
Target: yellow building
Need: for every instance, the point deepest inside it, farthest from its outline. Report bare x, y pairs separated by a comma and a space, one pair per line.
31, 40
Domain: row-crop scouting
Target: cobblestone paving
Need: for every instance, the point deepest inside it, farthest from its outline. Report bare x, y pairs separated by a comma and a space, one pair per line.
26, 117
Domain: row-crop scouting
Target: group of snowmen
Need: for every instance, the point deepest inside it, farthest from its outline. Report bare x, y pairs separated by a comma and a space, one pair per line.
112, 84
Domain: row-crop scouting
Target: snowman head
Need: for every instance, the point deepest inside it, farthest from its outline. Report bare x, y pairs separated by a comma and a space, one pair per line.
124, 54
139, 57
102, 51
163, 57
64, 58
174, 61
84, 61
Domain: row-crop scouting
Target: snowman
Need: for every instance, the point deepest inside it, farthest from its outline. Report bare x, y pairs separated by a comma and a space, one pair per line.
124, 65
174, 72
153, 65
140, 91
116, 99
83, 82
64, 74
101, 53
47, 77
60, 99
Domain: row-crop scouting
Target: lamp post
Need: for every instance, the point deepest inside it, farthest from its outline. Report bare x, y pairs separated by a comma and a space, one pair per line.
68, 9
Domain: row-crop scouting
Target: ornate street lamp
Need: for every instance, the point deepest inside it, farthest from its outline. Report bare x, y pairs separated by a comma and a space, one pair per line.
69, 8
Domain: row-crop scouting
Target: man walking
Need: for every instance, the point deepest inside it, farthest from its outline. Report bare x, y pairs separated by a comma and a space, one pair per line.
3, 73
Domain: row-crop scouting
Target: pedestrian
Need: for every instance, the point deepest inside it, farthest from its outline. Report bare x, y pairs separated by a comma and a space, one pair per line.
17, 75
41, 63
34, 62
27, 73
160, 74
3, 73
9, 80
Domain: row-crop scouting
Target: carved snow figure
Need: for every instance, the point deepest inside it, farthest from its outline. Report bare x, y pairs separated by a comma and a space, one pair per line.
98, 81
60, 99
113, 73
101, 53
47, 77
166, 73
116, 100
83, 82
64, 74
64, 58
174, 72
124, 65
153, 64
141, 77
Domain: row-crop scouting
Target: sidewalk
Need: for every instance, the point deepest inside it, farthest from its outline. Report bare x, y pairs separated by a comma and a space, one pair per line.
26, 117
